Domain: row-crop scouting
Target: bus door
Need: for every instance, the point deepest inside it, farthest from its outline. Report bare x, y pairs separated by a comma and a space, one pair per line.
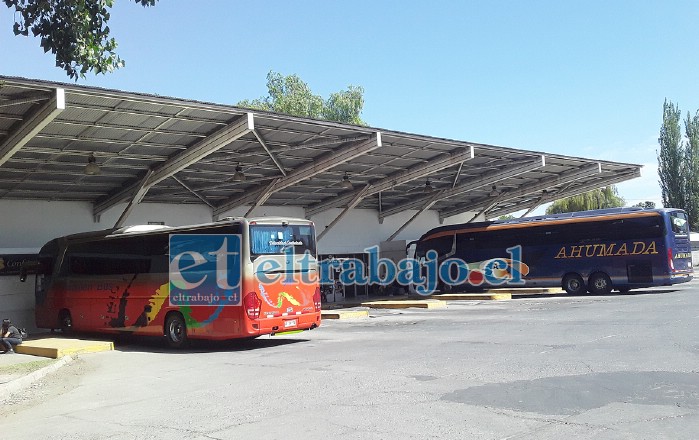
42, 287
679, 249
44, 295
445, 247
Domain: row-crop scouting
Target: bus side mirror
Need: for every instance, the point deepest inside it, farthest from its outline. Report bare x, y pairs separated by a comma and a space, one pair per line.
27, 267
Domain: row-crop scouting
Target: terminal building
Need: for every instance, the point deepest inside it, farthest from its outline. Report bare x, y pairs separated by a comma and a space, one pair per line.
76, 159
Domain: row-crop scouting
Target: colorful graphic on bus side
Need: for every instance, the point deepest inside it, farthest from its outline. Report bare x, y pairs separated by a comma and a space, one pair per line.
205, 270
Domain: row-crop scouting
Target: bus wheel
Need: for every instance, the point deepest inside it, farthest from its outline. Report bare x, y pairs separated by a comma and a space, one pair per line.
445, 288
66, 322
599, 284
573, 284
175, 330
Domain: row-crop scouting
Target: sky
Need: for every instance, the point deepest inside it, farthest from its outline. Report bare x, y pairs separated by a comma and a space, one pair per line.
584, 79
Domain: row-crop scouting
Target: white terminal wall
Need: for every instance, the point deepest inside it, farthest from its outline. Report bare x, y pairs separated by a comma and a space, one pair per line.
26, 225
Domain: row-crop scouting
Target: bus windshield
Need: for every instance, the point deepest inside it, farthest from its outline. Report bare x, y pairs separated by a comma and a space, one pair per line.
278, 239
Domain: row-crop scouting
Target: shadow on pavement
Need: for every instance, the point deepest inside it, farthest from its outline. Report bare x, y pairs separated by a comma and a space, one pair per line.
158, 345
639, 292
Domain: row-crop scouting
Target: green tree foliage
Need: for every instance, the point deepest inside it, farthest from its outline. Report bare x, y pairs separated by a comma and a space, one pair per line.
678, 162
606, 197
75, 31
645, 205
671, 158
691, 151
290, 95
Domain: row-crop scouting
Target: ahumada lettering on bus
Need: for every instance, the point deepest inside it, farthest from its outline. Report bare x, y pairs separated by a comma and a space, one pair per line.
608, 250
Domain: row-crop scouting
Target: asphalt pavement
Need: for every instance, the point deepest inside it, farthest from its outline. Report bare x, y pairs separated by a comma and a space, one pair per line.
19, 371
538, 367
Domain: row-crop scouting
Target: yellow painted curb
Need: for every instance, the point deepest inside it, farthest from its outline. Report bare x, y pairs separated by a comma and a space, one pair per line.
345, 314
422, 304
528, 290
473, 296
60, 347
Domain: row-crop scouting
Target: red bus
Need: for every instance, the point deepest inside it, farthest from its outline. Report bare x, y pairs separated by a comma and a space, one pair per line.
121, 281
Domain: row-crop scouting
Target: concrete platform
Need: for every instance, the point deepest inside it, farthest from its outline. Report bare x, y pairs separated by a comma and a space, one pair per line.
345, 314
59, 347
473, 296
406, 304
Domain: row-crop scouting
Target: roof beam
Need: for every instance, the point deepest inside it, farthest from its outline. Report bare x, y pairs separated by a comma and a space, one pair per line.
135, 200
593, 185
306, 171
354, 202
203, 148
458, 173
532, 207
183, 159
269, 152
491, 204
432, 200
483, 180
33, 125
263, 198
581, 189
25, 100
396, 179
524, 190
196, 194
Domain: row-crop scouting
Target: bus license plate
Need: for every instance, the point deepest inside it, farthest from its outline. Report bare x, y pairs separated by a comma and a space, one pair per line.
290, 323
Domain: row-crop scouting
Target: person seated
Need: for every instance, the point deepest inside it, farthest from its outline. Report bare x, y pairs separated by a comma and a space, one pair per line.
11, 337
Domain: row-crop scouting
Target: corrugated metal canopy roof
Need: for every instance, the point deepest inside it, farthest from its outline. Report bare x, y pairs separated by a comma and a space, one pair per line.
172, 150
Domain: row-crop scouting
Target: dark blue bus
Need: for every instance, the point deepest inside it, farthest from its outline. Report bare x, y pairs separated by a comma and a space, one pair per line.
594, 251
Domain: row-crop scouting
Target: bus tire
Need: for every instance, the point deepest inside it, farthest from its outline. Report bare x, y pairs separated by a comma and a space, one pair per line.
66, 322
599, 283
445, 288
175, 330
573, 284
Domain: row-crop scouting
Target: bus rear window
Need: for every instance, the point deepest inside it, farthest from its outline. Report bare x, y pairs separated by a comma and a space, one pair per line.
278, 239
679, 223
